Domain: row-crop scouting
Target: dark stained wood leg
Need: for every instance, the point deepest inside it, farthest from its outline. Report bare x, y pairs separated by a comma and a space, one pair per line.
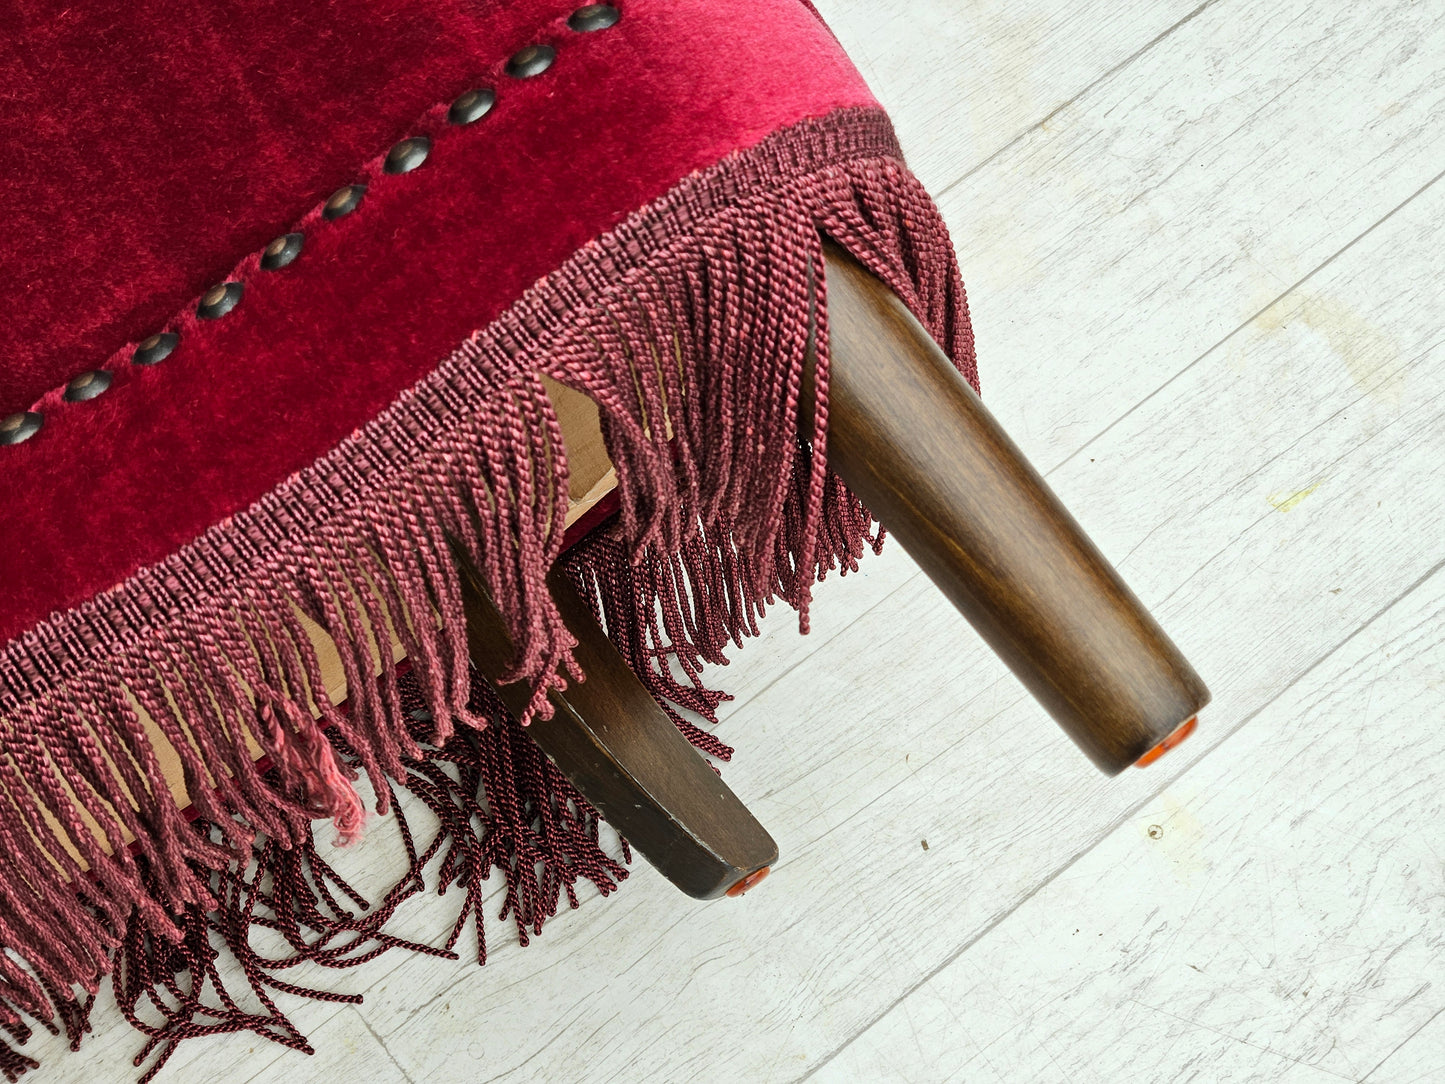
911, 438
609, 737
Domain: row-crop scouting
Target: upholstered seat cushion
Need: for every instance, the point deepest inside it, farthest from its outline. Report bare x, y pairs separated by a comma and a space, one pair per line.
155, 148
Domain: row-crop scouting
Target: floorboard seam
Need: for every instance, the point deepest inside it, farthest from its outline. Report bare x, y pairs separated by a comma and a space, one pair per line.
1403, 1041
379, 1042
1283, 294
1123, 819
1115, 70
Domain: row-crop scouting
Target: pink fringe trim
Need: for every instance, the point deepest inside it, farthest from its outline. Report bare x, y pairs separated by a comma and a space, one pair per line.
690, 326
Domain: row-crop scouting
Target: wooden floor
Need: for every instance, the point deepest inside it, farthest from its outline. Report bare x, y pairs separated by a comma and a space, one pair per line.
1205, 249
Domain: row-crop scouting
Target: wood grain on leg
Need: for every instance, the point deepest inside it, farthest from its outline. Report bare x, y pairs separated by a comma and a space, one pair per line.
609, 737
911, 438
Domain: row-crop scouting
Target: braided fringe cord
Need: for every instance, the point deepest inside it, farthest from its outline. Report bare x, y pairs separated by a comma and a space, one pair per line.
695, 356
498, 804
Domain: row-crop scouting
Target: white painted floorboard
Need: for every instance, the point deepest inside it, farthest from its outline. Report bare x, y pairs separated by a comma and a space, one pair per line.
1204, 245
1273, 913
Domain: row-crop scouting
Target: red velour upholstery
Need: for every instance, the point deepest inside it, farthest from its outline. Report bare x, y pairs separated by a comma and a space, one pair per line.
155, 147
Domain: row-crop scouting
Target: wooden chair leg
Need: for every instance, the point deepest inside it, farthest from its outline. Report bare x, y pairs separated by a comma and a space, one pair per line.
911, 438
625, 756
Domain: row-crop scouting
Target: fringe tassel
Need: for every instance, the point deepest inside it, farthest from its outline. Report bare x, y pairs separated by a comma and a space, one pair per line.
693, 342
500, 806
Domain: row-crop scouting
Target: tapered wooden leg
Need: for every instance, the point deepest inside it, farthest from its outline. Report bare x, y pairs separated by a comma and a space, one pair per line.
911, 438
625, 756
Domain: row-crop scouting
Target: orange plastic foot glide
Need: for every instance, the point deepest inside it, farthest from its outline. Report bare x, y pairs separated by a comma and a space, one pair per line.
748, 882
1180, 733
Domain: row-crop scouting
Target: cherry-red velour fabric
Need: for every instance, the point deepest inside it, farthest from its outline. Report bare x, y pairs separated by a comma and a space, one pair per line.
155, 147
